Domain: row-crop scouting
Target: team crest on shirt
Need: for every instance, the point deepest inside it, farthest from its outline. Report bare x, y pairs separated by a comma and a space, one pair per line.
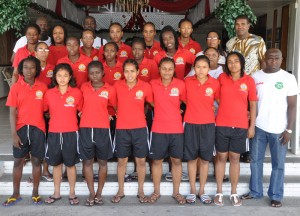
279, 85
117, 76
70, 101
155, 52
123, 53
139, 95
49, 73
209, 92
174, 92
144, 72
104, 94
81, 67
192, 50
39, 94
243, 87
95, 58
179, 60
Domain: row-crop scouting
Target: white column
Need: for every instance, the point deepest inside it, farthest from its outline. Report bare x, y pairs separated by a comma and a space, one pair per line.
295, 142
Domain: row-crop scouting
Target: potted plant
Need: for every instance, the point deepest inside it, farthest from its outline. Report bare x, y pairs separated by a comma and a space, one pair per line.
13, 15
228, 10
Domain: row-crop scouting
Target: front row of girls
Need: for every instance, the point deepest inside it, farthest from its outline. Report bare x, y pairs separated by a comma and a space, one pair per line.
29, 98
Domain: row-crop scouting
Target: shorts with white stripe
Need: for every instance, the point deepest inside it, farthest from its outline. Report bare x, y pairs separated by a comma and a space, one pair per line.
33, 140
95, 142
62, 148
128, 140
231, 139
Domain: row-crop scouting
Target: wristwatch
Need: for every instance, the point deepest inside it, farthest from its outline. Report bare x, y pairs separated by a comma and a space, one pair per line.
289, 131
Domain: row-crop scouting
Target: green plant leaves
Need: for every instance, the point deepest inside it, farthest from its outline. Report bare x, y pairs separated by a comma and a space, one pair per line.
13, 15
228, 10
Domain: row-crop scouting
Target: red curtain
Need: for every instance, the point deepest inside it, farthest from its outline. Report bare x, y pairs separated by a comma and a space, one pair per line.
177, 6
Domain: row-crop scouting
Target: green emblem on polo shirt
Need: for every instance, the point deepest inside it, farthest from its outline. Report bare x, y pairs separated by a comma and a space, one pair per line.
279, 85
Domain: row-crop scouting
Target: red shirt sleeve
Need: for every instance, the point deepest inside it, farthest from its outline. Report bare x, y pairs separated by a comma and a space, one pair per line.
12, 97
149, 96
46, 104
183, 92
252, 90
80, 101
17, 59
112, 97
217, 93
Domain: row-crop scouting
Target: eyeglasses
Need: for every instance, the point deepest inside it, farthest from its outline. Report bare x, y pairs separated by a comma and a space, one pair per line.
88, 38
212, 38
42, 50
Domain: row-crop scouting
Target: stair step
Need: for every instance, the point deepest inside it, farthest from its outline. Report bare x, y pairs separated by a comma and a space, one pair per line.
291, 186
291, 168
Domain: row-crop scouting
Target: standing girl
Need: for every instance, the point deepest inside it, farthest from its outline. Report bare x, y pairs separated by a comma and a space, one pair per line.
95, 139
131, 129
58, 48
167, 131
237, 90
199, 127
63, 101
25, 100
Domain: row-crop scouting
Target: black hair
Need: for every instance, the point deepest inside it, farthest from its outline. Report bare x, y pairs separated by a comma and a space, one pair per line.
242, 17
84, 30
62, 66
73, 37
90, 17
35, 61
131, 61
242, 62
168, 29
166, 59
218, 51
41, 42
139, 40
149, 23
32, 25
200, 58
184, 20
115, 23
65, 34
112, 43
95, 64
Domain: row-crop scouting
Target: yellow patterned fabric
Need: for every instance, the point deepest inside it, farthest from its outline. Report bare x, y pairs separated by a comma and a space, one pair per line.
253, 49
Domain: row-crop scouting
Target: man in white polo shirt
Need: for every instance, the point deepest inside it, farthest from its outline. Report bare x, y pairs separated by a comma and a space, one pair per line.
42, 22
277, 92
90, 24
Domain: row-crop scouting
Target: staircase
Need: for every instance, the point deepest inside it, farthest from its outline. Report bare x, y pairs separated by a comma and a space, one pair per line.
292, 179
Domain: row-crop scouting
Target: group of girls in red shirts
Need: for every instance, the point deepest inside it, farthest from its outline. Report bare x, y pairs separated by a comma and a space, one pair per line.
87, 99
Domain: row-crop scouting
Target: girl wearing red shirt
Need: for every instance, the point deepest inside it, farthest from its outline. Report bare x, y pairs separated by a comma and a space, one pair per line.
237, 90
63, 101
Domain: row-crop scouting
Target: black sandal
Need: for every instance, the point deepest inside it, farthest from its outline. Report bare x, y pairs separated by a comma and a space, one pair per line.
276, 204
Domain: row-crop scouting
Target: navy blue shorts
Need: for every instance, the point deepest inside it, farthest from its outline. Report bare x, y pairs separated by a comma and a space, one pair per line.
33, 140
62, 148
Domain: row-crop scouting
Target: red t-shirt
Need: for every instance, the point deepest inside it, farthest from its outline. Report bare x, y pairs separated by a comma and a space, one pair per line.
148, 70
94, 55
151, 52
94, 110
167, 99
200, 100
130, 103
183, 59
234, 97
63, 109
192, 46
46, 74
56, 52
111, 75
29, 103
123, 53
79, 68
21, 54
